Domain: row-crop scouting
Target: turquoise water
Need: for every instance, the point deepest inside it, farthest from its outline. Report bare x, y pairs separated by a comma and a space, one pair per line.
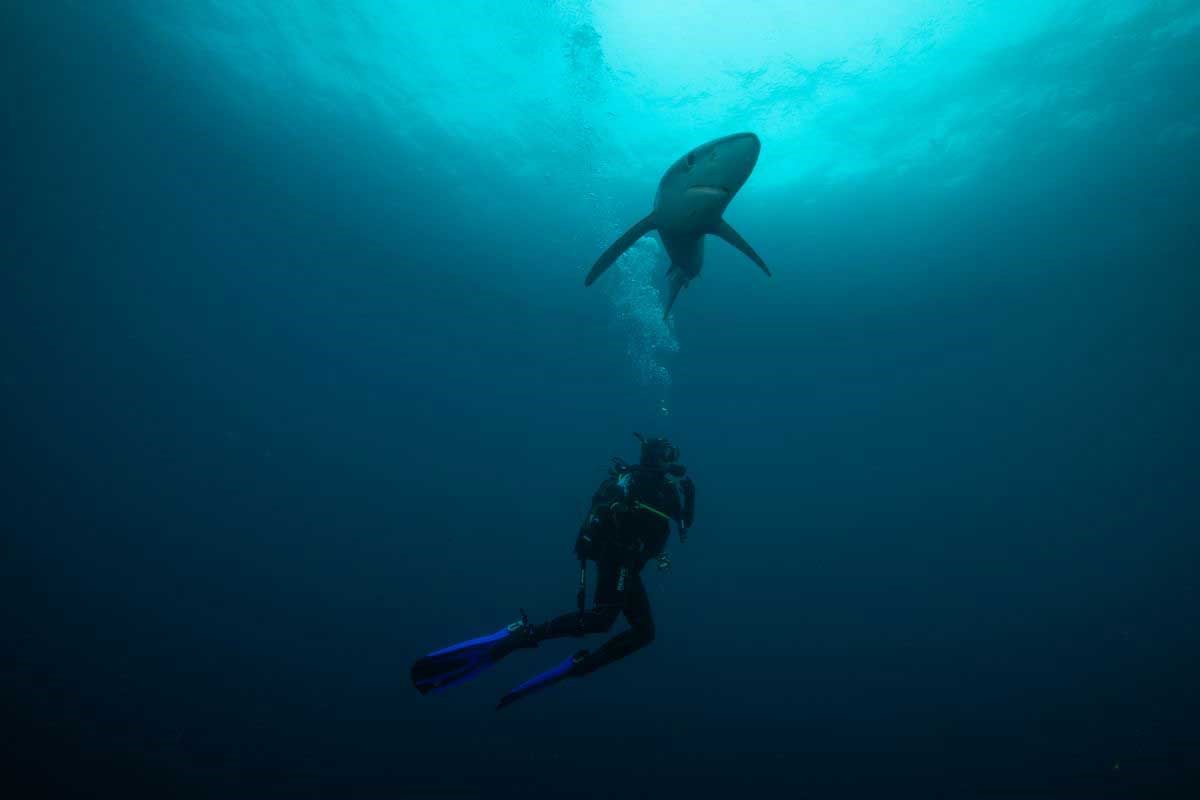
301, 381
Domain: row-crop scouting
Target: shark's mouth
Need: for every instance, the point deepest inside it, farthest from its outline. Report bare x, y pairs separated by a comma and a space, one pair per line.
720, 191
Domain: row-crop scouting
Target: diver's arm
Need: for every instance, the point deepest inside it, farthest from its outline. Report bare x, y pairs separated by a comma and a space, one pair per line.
687, 488
592, 520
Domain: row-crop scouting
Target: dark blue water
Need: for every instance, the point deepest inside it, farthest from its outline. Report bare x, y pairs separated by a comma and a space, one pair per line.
288, 403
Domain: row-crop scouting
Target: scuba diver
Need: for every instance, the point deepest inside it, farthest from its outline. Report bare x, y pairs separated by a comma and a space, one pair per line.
627, 525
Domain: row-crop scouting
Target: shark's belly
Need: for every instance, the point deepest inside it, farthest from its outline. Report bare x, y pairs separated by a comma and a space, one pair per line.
688, 218
686, 252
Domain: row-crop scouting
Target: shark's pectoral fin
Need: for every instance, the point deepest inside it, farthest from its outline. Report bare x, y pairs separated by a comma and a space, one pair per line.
619, 246
726, 232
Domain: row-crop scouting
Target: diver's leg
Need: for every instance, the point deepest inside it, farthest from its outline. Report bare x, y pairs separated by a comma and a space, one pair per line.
637, 608
593, 620
617, 583
611, 591
640, 633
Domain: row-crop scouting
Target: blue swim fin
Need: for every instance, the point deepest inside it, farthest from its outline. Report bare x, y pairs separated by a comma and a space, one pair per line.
566, 669
452, 665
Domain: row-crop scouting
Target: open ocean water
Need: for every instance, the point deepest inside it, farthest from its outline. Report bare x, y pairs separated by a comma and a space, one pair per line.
300, 381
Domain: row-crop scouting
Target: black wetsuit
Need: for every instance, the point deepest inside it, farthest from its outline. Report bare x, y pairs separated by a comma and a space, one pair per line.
621, 535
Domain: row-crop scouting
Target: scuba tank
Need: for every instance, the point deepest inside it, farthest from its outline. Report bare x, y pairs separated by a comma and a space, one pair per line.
623, 495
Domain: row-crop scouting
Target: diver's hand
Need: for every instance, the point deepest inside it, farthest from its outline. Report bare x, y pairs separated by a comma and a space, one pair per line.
688, 512
689, 488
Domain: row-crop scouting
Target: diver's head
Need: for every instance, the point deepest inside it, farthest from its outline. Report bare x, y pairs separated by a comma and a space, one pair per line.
658, 452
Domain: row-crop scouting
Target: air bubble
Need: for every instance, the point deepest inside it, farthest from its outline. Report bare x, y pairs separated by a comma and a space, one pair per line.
639, 307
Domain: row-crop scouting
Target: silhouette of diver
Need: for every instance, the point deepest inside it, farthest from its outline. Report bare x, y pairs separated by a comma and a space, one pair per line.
628, 524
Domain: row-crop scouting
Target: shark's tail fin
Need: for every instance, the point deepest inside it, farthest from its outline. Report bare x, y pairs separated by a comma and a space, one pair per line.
626, 240
675, 282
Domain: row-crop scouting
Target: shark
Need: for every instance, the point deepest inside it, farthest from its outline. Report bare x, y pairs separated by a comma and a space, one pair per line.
691, 200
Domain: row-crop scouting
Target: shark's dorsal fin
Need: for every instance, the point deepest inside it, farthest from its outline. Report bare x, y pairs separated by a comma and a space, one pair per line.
726, 232
619, 246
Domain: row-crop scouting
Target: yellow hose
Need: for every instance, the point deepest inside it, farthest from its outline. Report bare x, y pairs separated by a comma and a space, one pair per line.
651, 509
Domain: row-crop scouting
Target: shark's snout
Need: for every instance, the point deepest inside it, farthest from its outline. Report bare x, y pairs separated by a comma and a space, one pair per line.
728, 164
740, 148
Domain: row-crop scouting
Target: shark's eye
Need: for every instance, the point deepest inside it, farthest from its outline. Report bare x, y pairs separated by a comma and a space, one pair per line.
691, 160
